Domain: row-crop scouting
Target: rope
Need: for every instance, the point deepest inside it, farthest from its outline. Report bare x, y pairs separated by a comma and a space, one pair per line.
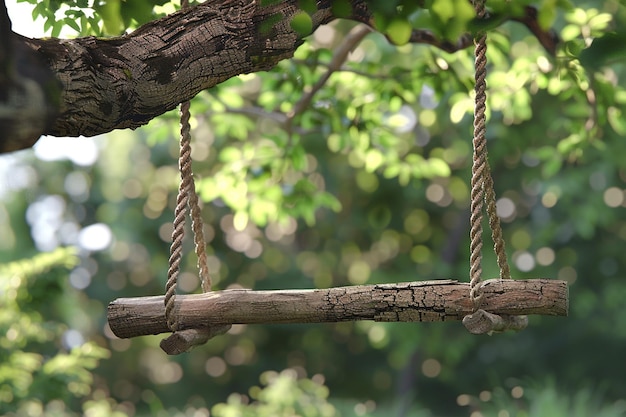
196, 211
176, 249
499, 246
482, 183
186, 197
479, 161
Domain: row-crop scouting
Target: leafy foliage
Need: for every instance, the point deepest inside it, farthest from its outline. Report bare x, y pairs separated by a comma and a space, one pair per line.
282, 394
31, 368
547, 399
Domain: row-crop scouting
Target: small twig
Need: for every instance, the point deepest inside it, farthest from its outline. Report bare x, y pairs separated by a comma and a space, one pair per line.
278, 117
547, 38
428, 38
310, 62
341, 54
590, 95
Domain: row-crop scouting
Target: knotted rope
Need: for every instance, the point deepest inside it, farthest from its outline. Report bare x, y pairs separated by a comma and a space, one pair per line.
186, 197
182, 341
482, 193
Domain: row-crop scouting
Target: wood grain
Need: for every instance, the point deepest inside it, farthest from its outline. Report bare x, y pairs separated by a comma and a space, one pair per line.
426, 301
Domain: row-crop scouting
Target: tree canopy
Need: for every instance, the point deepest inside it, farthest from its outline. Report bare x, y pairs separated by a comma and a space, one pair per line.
332, 147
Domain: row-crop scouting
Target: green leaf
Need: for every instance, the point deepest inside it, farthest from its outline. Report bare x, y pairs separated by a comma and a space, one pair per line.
373, 159
72, 23
110, 12
444, 9
302, 23
547, 15
230, 154
608, 48
617, 120
438, 168
298, 157
399, 31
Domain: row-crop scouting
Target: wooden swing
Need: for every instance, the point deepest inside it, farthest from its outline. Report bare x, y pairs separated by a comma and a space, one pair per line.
483, 306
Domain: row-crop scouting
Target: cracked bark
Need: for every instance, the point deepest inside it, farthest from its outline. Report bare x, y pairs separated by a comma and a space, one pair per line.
427, 301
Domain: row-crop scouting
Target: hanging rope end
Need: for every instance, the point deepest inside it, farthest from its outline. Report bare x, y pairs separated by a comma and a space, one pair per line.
187, 339
481, 322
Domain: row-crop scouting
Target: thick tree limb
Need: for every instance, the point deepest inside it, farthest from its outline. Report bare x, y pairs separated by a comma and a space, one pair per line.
124, 82
410, 302
29, 91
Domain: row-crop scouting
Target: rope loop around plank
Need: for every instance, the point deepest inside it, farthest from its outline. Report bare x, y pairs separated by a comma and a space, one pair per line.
482, 188
182, 341
186, 197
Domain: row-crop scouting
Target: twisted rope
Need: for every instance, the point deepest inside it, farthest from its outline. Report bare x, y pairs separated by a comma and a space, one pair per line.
479, 161
187, 196
176, 249
482, 181
483, 193
194, 205
499, 246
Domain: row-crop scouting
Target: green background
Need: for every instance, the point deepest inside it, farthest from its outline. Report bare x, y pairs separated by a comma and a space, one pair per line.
370, 184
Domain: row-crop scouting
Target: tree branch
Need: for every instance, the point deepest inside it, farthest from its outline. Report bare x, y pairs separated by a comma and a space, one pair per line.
89, 86
29, 91
339, 57
410, 302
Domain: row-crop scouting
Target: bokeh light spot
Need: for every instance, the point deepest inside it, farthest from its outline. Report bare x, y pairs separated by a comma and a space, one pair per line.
377, 335
427, 117
80, 278
367, 181
463, 400
420, 254
505, 207
435, 193
215, 366
95, 237
416, 221
545, 256
549, 199
359, 272
613, 197
521, 239
72, 338
235, 355
431, 368
188, 282
524, 261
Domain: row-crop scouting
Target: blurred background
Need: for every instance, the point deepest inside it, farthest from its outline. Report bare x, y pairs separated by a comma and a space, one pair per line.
369, 184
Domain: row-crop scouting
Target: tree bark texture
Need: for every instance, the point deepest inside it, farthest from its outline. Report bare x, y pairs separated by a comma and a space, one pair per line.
426, 301
89, 86
125, 82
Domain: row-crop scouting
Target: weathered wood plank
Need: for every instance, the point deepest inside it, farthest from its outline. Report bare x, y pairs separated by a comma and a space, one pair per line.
428, 301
